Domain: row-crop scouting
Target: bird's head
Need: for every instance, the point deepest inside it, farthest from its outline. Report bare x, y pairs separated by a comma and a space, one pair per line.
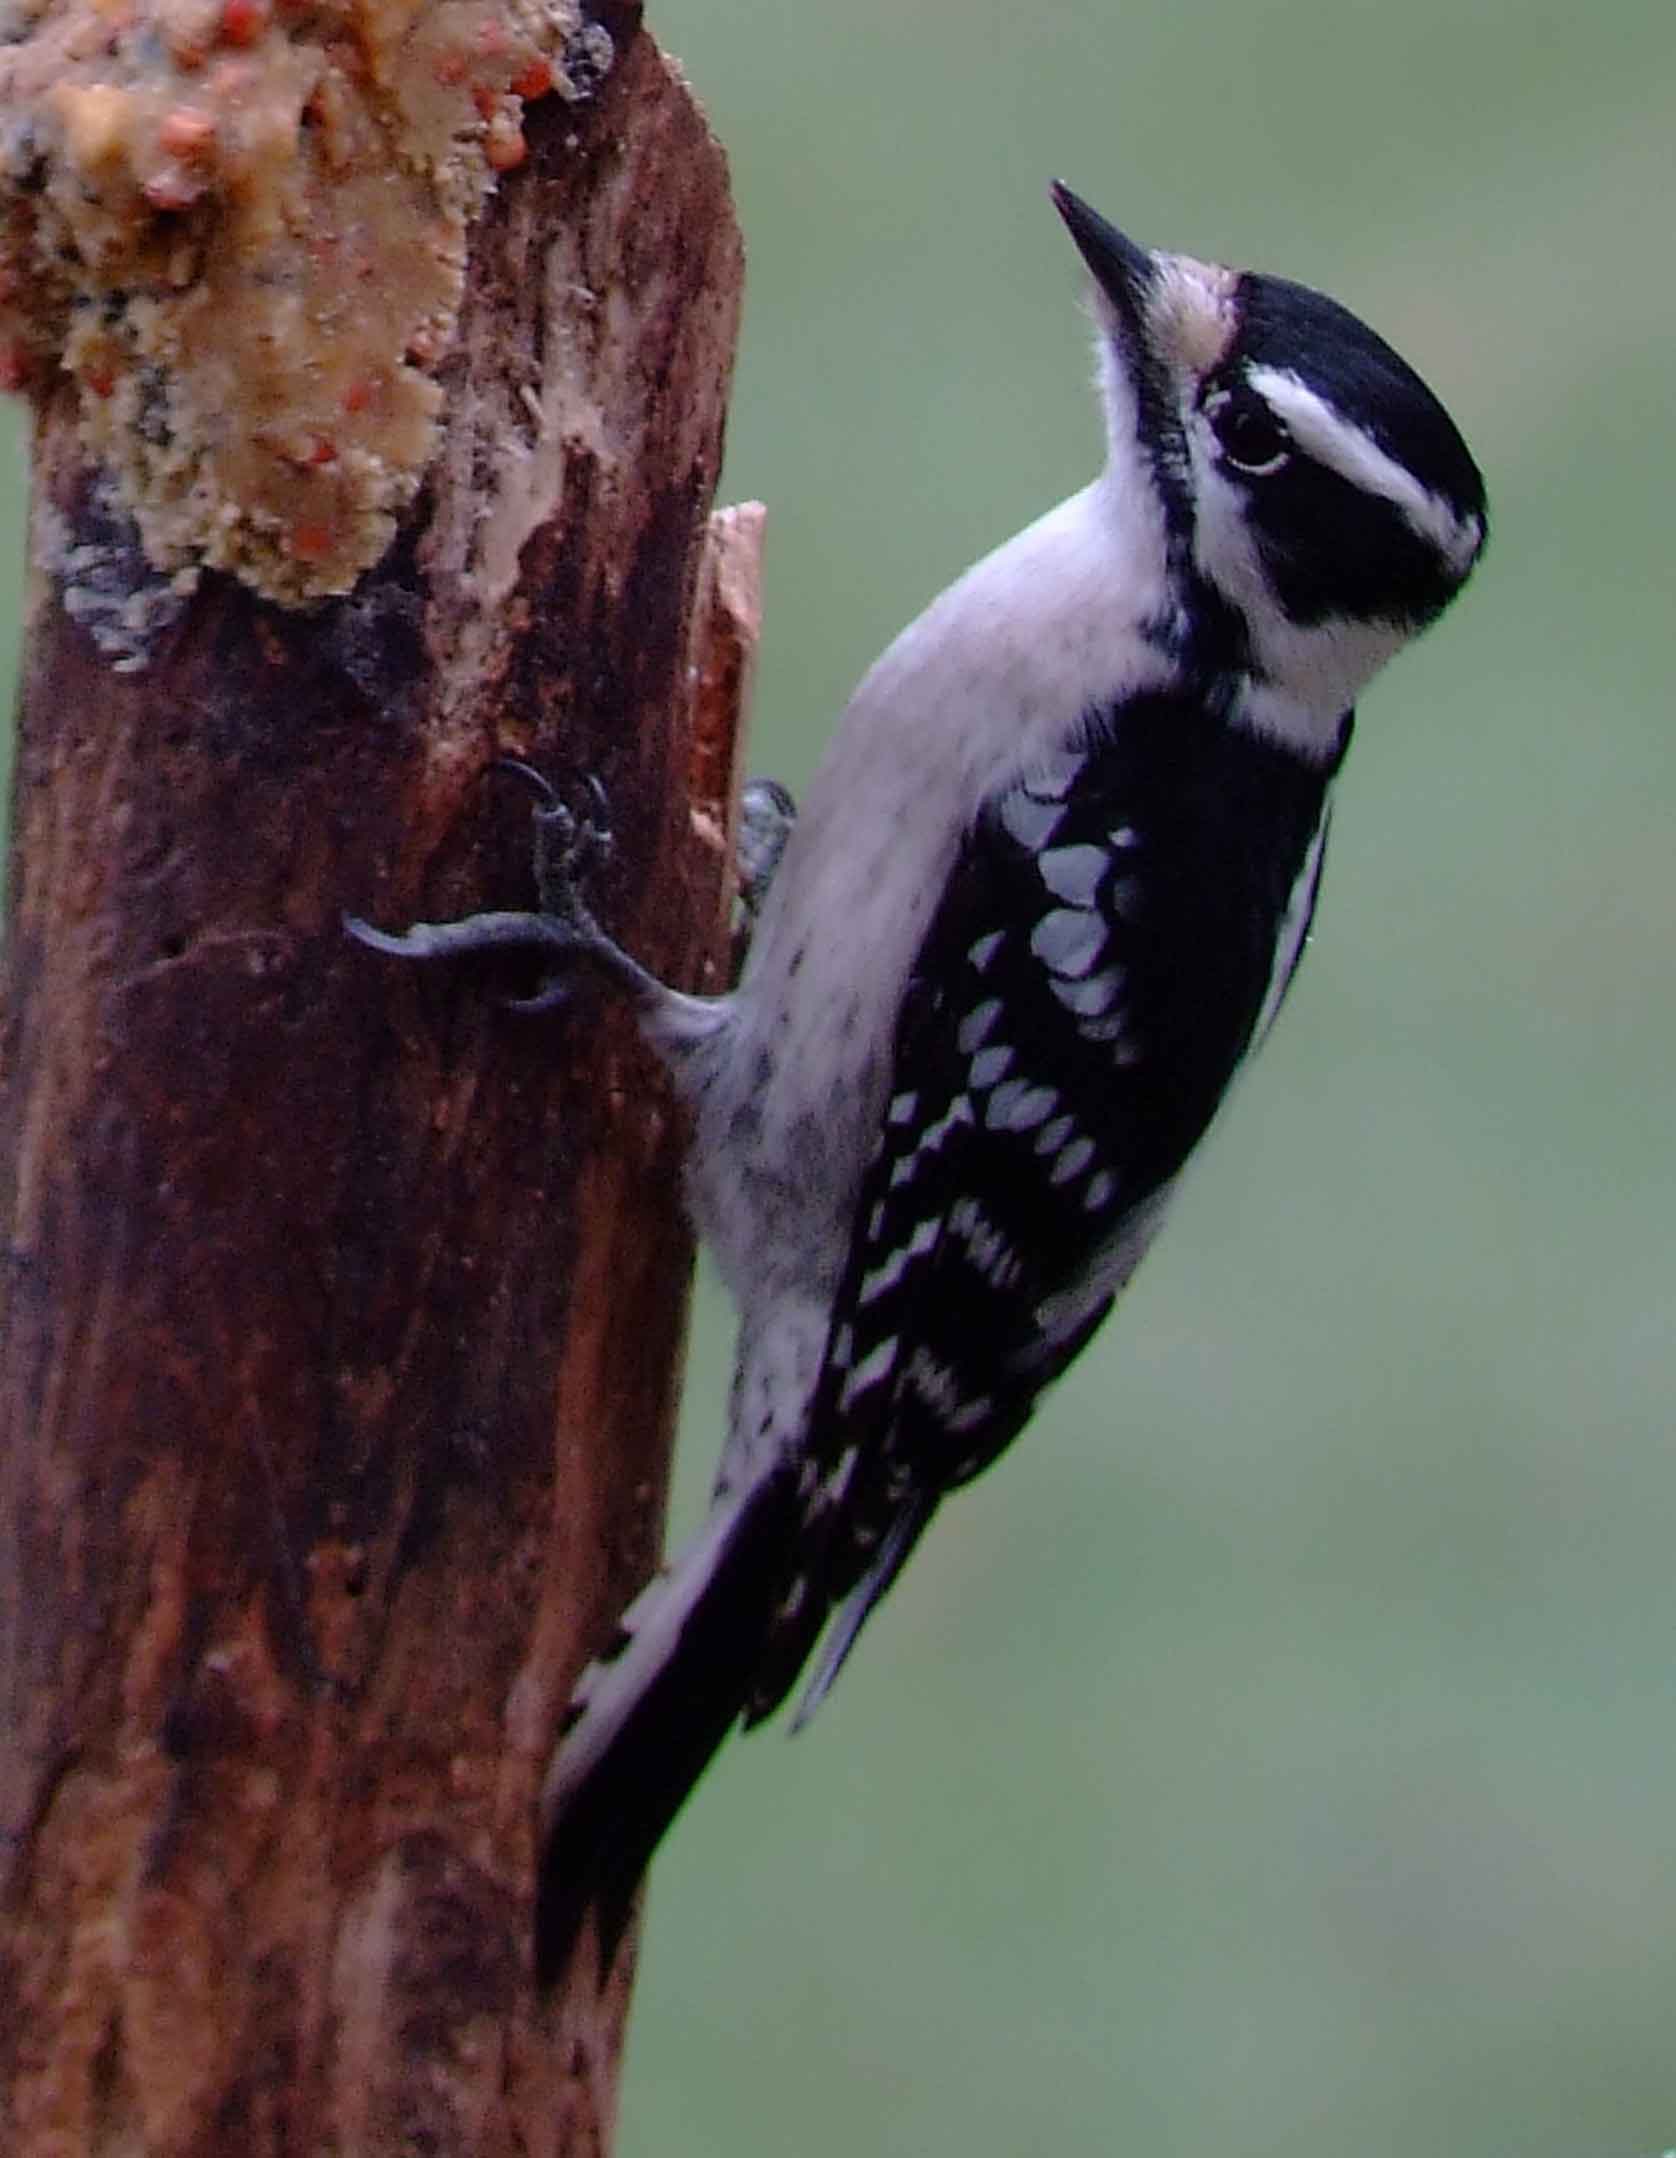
1317, 504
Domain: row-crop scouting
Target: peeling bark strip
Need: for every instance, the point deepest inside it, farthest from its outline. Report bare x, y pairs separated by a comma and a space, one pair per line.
341, 1310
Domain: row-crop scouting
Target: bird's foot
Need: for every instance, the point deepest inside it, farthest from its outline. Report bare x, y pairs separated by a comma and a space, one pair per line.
562, 933
766, 816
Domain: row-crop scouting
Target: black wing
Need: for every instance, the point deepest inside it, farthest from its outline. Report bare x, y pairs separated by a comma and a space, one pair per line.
1118, 926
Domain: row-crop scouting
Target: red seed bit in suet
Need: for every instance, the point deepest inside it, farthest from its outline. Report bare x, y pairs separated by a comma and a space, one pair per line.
243, 21
311, 539
535, 81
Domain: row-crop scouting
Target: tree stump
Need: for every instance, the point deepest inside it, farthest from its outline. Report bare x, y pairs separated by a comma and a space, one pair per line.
342, 1309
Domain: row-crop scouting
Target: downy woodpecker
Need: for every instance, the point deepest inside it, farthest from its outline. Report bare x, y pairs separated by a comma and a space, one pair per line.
1048, 889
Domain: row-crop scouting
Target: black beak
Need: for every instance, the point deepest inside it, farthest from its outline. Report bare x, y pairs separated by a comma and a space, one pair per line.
1123, 271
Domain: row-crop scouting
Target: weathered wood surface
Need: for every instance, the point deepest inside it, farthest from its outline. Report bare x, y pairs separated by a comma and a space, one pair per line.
342, 1310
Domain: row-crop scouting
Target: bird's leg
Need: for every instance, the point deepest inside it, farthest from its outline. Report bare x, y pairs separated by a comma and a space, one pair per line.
563, 933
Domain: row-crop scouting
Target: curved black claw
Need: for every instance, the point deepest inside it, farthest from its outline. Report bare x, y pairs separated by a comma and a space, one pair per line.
570, 845
538, 780
569, 842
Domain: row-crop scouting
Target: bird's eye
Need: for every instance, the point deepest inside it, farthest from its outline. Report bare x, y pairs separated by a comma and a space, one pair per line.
1249, 436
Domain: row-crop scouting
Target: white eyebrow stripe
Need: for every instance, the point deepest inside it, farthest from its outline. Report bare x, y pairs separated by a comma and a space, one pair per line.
1351, 452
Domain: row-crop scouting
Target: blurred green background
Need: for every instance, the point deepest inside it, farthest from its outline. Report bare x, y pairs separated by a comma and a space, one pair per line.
1277, 1752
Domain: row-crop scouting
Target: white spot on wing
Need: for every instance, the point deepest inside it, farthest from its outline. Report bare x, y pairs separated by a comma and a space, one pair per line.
1030, 822
1019, 1106
1072, 1161
959, 1112
1069, 939
1094, 995
1052, 778
885, 1275
977, 1024
877, 1364
1073, 873
990, 1253
894, 1264
990, 1066
986, 948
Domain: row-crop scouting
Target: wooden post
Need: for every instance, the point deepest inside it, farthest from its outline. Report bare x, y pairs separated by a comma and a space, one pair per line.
342, 1309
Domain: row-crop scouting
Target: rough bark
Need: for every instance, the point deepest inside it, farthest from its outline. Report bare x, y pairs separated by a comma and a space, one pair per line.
342, 1308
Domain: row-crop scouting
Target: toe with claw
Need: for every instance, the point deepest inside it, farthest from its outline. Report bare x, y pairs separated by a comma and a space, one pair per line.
570, 844
562, 932
766, 816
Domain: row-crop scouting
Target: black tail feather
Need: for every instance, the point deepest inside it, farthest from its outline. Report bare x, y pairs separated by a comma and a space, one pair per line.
662, 1724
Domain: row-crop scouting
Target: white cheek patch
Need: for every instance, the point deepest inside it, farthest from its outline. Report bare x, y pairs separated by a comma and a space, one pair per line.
1224, 544
1352, 453
1309, 675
